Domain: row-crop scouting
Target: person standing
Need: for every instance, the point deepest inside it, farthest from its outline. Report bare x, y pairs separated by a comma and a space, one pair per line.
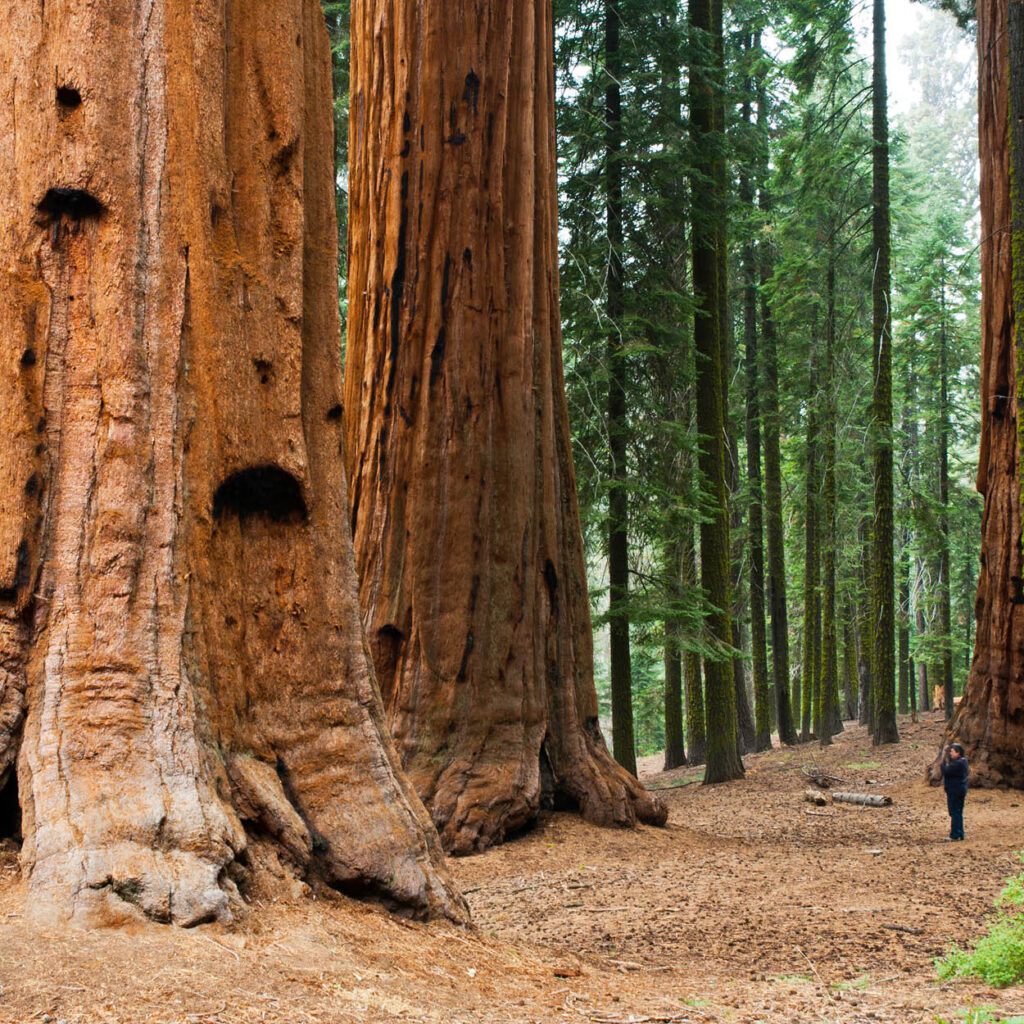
954, 781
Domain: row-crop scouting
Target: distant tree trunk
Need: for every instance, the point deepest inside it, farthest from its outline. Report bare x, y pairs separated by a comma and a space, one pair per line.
923, 682
464, 510
830, 715
865, 630
849, 664
180, 638
675, 751
904, 629
773, 459
623, 742
755, 509
812, 566
693, 686
723, 761
945, 601
883, 671
988, 720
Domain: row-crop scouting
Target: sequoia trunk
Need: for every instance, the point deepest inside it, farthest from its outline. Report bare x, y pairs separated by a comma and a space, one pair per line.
990, 718
182, 652
463, 504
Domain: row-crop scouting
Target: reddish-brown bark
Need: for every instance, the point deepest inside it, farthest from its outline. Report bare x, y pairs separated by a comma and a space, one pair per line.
181, 643
464, 504
990, 719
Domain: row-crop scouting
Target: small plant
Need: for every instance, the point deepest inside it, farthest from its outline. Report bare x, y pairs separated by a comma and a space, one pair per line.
979, 1015
998, 957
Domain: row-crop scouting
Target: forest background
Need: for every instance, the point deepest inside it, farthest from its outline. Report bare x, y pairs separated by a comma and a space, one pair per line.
796, 143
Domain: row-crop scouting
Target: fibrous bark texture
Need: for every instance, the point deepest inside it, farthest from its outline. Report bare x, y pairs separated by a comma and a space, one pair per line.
464, 505
990, 718
181, 645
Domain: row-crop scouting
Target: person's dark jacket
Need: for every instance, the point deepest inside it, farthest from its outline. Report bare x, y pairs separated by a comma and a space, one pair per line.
954, 775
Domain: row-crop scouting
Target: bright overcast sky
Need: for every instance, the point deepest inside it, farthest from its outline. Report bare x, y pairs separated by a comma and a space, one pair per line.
901, 18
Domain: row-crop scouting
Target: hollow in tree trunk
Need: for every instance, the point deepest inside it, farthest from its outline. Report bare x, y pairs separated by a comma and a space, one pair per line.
463, 495
183, 659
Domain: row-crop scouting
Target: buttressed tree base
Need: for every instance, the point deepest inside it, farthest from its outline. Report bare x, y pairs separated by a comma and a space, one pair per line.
464, 507
184, 690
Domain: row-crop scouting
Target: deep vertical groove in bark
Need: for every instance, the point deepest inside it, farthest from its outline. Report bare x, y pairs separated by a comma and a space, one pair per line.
772, 454
201, 712
990, 716
883, 669
466, 525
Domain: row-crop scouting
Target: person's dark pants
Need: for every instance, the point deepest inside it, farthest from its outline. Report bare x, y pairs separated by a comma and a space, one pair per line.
955, 803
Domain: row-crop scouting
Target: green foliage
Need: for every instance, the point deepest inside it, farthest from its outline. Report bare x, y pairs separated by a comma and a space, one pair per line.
336, 14
998, 957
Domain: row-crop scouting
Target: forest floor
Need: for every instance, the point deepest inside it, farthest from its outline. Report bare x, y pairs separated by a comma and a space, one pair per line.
750, 906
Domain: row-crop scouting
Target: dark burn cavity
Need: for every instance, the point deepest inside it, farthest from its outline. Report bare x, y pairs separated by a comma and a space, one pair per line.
266, 491
10, 809
264, 368
74, 203
68, 97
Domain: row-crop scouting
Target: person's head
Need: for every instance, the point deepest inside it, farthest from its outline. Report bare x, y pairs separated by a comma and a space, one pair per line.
956, 750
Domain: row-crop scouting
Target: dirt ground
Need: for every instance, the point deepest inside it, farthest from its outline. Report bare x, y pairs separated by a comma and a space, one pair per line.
750, 906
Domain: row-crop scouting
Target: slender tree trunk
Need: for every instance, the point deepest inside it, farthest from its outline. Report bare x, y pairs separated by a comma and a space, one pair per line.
723, 761
812, 566
675, 751
945, 601
849, 664
865, 630
883, 670
923, 682
179, 632
830, 715
905, 674
755, 510
693, 687
773, 458
467, 534
623, 743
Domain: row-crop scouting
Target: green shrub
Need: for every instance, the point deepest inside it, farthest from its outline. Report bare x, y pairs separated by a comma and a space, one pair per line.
998, 957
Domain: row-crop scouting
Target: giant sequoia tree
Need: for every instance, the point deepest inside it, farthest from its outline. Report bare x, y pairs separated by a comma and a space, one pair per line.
463, 497
990, 720
183, 683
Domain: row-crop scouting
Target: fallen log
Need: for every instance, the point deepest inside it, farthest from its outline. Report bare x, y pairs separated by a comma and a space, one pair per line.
862, 799
814, 796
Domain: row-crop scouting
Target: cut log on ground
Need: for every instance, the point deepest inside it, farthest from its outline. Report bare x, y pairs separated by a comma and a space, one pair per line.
814, 796
862, 799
